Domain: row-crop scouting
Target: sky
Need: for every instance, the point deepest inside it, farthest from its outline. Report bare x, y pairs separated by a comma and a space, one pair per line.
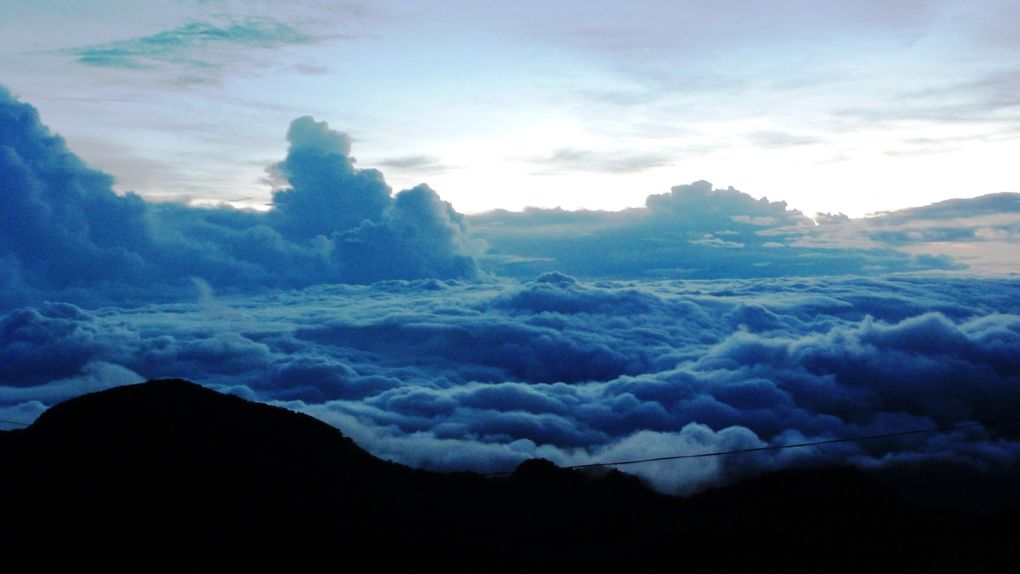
830, 106
489, 234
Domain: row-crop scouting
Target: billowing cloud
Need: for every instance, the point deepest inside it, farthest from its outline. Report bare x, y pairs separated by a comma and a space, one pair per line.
334, 222
421, 235
329, 200
327, 194
694, 231
60, 221
64, 234
482, 375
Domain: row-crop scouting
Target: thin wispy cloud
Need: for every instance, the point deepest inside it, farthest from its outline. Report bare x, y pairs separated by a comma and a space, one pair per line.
201, 47
987, 98
413, 164
568, 160
979, 234
780, 139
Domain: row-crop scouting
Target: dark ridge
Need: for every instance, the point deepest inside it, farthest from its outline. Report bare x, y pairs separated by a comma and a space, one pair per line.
170, 469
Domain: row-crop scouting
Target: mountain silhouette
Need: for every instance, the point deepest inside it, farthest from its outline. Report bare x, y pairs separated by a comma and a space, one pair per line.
169, 468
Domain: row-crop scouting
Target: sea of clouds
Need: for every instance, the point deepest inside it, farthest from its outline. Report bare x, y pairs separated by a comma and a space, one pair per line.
482, 375
705, 321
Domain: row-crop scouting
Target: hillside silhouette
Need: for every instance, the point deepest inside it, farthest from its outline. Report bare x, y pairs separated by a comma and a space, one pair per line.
170, 467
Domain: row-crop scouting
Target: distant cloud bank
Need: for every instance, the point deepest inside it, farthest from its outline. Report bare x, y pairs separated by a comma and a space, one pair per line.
697, 232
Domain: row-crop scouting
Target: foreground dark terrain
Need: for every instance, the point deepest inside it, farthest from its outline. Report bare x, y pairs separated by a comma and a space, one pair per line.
169, 467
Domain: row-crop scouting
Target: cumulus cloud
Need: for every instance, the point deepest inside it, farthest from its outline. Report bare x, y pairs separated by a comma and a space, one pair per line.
422, 235
372, 234
60, 222
327, 194
694, 231
483, 375
64, 233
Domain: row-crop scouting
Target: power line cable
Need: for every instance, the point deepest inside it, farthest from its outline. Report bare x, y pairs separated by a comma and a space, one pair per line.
938, 429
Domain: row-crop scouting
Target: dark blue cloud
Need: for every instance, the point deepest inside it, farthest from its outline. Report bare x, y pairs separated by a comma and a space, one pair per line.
327, 194
421, 235
559, 293
532, 351
483, 375
65, 234
60, 222
53, 341
68, 236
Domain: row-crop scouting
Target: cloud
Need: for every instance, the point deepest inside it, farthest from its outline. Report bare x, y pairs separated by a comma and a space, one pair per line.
350, 303
987, 99
93, 376
568, 160
195, 45
991, 204
695, 231
482, 375
66, 235
414, 163
421, 235
331, 221
327, 193
778, 139
980, 233
691, 439
60, 221
375, 236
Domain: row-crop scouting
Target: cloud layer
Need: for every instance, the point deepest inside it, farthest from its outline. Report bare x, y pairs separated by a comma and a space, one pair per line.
697, 232
480, 376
